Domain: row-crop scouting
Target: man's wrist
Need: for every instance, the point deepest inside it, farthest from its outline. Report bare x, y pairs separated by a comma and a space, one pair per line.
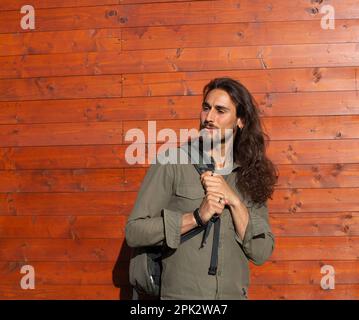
236, 203
198, 218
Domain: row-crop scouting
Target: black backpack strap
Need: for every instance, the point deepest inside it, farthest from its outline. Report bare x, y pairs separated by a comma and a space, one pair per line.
203, 160
214, 256
215, 220
208, 229
190, 234
206, 233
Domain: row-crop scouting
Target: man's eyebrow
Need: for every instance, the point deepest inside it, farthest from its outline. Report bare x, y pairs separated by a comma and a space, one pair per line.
218, 106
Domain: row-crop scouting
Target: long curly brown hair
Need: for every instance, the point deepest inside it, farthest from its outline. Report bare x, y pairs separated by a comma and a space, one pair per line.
256, 175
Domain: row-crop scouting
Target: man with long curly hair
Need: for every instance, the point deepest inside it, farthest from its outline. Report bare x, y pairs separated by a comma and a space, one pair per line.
174, 199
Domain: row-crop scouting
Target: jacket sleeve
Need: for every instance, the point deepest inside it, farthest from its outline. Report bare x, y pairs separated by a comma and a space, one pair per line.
150, 223
258, 241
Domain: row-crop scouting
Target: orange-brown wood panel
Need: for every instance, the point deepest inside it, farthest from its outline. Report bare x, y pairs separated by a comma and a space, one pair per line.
315, 200
63, 227
315, 224
303, 292
297, 128
318, 176
129, 179
113, 226
65, 292
114, 156
316, 248
171, 107
176, 13
61, 134
78, 180
63, 250
60, 88
256, 292
175, 36
283, 80
176, 83
109, 203
306, 103
15, 4
55, 42
287, 248
64, 157
237, 34
174, 60
100, 273
67, 273
303, 272
314, 151
113, 109
64, 204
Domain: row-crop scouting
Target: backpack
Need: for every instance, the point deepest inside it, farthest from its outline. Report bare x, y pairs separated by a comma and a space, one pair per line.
145, 262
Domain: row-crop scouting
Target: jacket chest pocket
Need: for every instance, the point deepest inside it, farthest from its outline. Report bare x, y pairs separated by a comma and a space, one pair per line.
189, 197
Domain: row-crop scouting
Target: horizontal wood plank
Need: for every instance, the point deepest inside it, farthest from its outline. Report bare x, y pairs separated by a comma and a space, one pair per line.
65, 292
177, 36
60, 42
98, 180
101, 273
297, 128
15, 4
61, 134
113, 226
303, 272
130, 179
316, 248
315, 224
314, 152
303, 292
40, 4
63, 227
259, 292
318, 200
265, 80
64, 250
60, 88
172, 107
64, 204
320, 176
178, 83
174, 60
68, 273
110, 203
175, 13
286, 248
64, 157
235, 34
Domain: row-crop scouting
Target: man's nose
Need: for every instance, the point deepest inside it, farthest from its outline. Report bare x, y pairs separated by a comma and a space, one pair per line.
210, 115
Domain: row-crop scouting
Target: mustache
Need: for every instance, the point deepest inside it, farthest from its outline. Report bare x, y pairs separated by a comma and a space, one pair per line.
207, 125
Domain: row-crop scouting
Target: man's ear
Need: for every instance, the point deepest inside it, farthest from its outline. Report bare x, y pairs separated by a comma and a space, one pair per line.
240, 123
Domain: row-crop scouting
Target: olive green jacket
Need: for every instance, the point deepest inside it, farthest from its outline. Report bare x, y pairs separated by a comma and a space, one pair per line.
167, 192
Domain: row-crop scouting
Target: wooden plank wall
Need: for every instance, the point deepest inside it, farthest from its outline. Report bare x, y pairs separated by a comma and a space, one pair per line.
91, 70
